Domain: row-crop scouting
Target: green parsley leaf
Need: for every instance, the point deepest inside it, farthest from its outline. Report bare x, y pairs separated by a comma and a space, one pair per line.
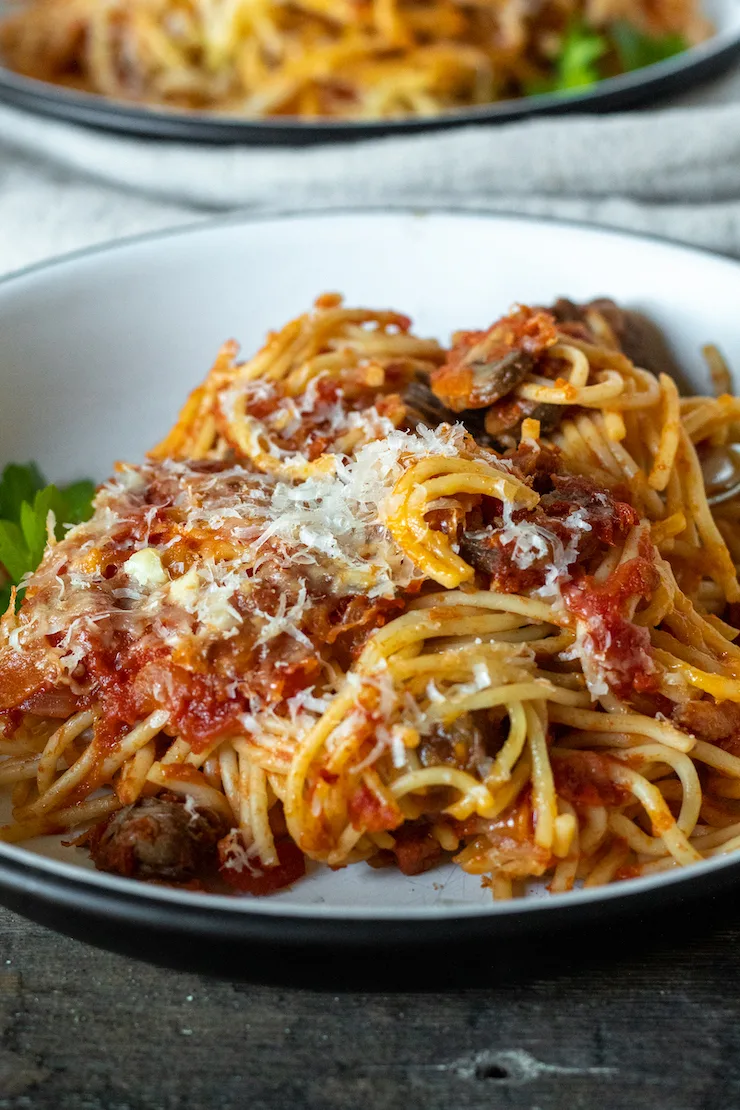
18, 483
636, 49
78, 498
14, 553
577, 62
33, 521
575, 66
25, 504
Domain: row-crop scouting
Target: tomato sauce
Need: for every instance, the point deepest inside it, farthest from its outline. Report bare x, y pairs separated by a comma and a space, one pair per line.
621, 647
366, 810
582, 778
262, 880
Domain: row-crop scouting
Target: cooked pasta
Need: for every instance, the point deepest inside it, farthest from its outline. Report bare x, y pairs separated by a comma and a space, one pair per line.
366, 59
372, 599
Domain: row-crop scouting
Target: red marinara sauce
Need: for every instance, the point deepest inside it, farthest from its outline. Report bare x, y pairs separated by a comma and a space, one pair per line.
622, 647
261, 880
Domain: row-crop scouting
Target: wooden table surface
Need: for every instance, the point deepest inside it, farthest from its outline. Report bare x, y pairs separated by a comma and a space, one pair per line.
637, 1014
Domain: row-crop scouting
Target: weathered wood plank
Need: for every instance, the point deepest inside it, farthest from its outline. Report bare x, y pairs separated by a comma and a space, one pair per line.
611, 1025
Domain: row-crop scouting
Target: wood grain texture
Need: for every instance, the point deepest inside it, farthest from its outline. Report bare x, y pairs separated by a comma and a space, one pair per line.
643, 1015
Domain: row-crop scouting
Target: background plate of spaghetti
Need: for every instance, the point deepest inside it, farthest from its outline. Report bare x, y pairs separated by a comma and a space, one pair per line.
401, 630
314, 72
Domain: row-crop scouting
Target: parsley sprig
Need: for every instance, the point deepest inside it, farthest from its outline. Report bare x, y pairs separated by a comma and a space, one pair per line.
637, 50
25, 503
586, 56
575, 66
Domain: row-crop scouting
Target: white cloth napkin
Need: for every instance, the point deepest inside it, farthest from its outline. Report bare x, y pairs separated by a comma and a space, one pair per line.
672, 171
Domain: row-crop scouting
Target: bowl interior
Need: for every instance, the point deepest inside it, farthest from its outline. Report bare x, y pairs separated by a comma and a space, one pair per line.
99, 351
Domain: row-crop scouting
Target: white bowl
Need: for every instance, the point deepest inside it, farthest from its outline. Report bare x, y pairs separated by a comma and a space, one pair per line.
98, 353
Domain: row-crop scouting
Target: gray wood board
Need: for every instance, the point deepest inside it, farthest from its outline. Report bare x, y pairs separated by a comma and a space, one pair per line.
631, 1018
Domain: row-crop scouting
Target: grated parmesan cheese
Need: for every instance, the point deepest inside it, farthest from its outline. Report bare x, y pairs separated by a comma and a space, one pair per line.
533, 543
184, 590
285, 620
340, 516
145, 567
188, 555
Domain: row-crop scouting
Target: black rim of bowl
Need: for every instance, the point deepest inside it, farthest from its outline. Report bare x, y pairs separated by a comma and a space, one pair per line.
627, 90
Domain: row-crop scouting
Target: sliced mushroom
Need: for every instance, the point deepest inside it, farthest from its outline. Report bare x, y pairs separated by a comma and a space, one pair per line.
423, 407
477, 381
484, 366
493, 380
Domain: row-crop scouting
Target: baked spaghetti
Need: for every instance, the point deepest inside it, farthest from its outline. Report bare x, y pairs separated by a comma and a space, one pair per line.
373, 599
351, 59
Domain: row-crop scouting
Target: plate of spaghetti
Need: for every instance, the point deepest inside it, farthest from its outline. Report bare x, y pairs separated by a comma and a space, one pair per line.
400, 625
311, 71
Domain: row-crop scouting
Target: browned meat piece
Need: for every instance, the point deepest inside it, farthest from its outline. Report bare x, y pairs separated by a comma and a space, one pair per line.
415, 849
537, 463
465, 743
490, 549
610, 519
716, 722
483, 366
157, 838
483, 550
